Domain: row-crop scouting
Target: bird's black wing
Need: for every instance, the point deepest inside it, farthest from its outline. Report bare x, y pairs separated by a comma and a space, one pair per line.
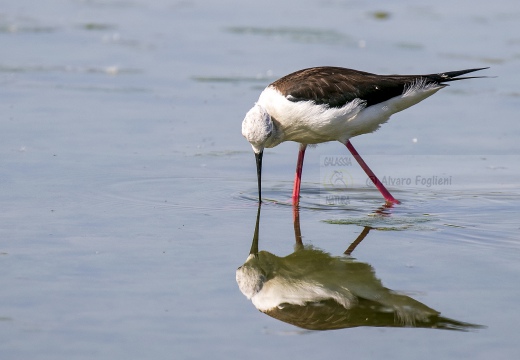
335, 86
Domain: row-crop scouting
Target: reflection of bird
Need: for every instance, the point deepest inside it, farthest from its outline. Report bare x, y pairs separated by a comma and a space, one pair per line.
314, 290
323, 104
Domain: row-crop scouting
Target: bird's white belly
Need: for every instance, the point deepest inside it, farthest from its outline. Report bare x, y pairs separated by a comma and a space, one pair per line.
308, 123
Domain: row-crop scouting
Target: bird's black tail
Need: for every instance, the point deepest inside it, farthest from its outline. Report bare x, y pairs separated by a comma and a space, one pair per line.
454, 75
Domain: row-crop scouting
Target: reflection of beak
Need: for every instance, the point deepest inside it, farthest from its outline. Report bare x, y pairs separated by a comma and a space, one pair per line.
254, 246
258, 157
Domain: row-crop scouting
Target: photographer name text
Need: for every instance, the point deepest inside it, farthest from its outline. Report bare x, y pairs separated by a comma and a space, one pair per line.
419, 180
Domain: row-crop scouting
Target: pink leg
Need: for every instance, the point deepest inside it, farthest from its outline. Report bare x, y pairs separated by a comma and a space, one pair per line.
298, 177
386, 194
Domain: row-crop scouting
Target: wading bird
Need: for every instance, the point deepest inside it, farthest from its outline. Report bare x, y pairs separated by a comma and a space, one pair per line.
322, 104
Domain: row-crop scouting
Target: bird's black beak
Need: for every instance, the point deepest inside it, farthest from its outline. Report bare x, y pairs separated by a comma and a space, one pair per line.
258, 157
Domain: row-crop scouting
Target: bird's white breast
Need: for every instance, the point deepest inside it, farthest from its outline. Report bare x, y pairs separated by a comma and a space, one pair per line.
304, 121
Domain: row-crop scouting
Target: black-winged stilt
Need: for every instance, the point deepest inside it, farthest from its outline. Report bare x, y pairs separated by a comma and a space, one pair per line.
322, 104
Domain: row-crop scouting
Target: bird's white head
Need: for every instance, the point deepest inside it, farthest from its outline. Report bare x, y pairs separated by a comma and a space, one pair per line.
257, 127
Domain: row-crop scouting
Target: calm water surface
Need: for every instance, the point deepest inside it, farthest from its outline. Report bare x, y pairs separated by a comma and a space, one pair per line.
128, 195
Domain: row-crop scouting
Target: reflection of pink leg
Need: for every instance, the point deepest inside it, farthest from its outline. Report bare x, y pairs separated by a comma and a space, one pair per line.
386, 194
296, 223
358, 240
298, 177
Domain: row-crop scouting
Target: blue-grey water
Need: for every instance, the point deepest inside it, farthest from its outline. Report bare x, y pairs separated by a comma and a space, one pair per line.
128, 195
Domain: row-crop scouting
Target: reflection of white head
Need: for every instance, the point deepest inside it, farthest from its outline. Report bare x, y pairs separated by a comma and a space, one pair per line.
257, 127
250, 280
